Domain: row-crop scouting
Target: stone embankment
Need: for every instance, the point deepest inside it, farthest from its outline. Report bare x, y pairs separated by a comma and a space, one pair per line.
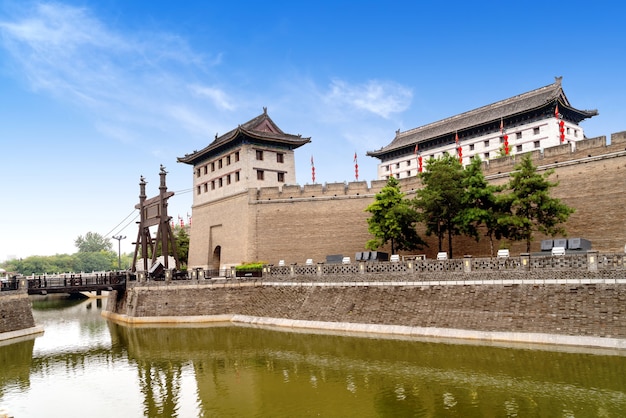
570, 300
16, 316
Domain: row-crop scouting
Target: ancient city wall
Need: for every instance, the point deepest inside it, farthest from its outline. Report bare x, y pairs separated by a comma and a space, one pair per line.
313, 221
573, 299
16, 317
558, 302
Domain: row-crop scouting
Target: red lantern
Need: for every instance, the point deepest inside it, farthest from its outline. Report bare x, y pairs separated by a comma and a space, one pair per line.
506, 145
419, 161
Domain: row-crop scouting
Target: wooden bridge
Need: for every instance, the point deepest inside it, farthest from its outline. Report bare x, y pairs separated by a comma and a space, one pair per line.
76, 282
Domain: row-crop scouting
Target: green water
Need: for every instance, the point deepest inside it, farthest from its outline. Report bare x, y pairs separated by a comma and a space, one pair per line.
86, 366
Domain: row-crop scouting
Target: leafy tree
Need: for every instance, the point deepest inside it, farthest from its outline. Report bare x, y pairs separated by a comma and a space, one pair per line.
182, 244
440, 200
531, 207
393, 219
95, 261
480, 205
92, 242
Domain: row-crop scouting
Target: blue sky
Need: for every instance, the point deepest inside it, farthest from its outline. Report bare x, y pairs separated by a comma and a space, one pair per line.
94, 94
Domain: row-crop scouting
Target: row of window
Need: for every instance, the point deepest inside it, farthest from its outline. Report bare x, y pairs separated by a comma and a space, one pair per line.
260, 175
233, 158
217, 164
229, 178
280, 157
220, 182
486, 155
518, 148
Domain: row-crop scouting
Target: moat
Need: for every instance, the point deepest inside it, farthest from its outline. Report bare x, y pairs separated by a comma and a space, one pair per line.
85, 365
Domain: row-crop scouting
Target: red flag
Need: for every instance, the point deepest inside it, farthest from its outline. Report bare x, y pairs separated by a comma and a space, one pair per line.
556, 111
312, 170
501, 126
355, 157
415, 152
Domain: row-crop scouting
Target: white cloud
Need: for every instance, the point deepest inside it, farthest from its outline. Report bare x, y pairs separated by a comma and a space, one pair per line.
127, 80
380, 98
217, 96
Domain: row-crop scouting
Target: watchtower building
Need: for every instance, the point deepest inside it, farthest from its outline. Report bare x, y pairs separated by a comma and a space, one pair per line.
255, 154
539, 119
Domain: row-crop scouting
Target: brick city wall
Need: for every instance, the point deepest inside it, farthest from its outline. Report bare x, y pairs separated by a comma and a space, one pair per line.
296, 223
306, 222
595, 305
15, 311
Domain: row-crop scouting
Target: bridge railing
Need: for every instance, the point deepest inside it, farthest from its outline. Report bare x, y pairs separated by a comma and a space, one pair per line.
75, 280
9, 284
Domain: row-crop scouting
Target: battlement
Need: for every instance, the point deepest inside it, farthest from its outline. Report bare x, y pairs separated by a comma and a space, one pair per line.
588, 147
328, 190
561, 153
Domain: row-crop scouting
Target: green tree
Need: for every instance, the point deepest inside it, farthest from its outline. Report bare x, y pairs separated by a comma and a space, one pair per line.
480, 205
440, 200
95, 261
182, 244
92, 242
393, 220
532, 209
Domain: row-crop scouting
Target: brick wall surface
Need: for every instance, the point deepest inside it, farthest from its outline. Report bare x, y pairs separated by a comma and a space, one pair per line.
313, 221
15, 312
569, 309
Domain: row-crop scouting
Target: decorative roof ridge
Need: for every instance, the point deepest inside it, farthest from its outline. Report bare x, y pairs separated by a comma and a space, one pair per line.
555, 87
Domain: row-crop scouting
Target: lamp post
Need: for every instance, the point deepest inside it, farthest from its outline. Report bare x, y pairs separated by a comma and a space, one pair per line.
119, 239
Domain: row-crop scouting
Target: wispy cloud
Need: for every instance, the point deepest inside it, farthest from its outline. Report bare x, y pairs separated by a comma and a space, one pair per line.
218, 97
380, 98
127, 78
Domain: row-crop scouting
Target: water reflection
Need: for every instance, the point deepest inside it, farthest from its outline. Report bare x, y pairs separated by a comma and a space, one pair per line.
250, 371
225, 370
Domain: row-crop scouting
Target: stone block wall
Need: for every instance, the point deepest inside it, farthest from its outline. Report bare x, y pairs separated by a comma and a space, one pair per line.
15, 311
597, 310
296, 223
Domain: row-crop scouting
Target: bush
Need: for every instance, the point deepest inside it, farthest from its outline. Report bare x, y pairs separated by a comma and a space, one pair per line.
251, 266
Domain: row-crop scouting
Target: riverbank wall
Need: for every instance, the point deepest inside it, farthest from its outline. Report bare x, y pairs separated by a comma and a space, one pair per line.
511, 301
16, 315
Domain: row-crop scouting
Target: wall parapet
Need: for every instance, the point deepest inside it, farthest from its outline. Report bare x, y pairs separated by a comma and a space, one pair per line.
328, 190
563, 153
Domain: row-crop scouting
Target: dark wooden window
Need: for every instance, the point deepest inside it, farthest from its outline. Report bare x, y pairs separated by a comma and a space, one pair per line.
260, 174
281, 177
280, 157
259, 155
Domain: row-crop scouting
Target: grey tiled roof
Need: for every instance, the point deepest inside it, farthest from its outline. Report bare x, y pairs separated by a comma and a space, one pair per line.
536, 99
261, 128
